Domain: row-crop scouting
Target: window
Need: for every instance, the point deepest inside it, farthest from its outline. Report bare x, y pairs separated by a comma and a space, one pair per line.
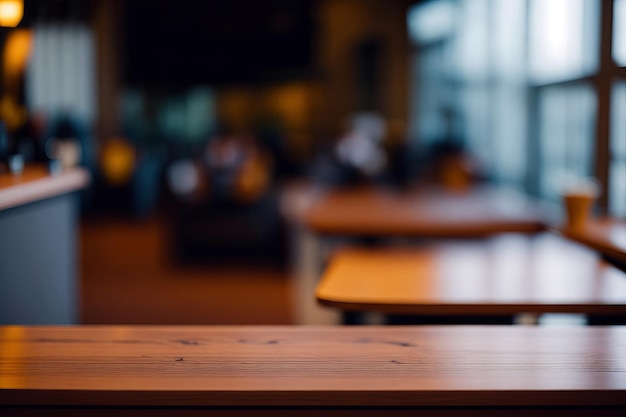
528, 83
62, 80
619, 32
470, 82
617, 168
565, 136
563, 39
563, 48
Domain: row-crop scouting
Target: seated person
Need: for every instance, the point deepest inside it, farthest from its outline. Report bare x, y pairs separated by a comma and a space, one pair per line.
238, 168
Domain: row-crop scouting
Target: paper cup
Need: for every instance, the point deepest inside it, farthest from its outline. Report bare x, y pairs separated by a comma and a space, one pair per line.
579, 199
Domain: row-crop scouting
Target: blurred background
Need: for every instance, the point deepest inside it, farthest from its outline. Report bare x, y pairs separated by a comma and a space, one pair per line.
194, 116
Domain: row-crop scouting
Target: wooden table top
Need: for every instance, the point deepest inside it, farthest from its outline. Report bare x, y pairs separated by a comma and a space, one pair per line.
607, 236
321, 366
36, 184
422, 212
508, 274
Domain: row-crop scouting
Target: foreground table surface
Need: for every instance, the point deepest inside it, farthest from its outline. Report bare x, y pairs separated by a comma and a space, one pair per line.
422, 212
257, 366
509, 274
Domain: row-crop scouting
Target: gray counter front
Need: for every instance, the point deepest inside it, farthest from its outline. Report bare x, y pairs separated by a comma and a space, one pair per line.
39, 247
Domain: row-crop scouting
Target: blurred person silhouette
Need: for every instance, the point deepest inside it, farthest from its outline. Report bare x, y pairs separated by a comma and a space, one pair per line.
227, 189
357, 156
449, 162
68, 140
238, 168
69, 143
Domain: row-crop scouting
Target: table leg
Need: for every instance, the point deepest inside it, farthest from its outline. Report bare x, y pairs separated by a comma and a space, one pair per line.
353, 318
400, 319
306, 271
527, 319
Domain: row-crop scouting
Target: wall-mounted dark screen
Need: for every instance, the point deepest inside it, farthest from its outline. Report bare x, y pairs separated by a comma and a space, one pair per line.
185, 42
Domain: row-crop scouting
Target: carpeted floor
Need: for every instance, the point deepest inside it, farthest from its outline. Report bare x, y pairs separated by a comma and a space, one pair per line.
128, 278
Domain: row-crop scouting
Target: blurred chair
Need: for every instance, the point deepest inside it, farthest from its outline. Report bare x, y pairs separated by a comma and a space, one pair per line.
453, 167
224, 203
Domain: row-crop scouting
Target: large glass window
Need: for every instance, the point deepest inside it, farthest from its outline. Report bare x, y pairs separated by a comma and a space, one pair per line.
617, 173
471, 49
563, 46
430, 95
566, 132
431, 21
508, 118
470, 81
563, 36
430, 26
619, 32
522, 79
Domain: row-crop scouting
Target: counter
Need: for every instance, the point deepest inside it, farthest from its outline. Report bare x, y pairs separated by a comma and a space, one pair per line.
38, 246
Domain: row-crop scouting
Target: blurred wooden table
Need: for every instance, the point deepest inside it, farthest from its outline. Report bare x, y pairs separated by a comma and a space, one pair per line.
505, 275
382, 213
607, 236
423, 212
299, 370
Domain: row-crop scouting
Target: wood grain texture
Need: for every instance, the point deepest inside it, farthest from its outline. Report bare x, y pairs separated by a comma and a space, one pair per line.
422, 212
508, 274
314, 412
607, 236
257, 366
36, 184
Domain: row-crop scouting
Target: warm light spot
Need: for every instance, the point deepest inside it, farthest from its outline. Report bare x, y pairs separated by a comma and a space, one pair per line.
17, 51
11, 12
291, 103
12, 113
236, 108
10, 352
117, 161
253, 179
14, 60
